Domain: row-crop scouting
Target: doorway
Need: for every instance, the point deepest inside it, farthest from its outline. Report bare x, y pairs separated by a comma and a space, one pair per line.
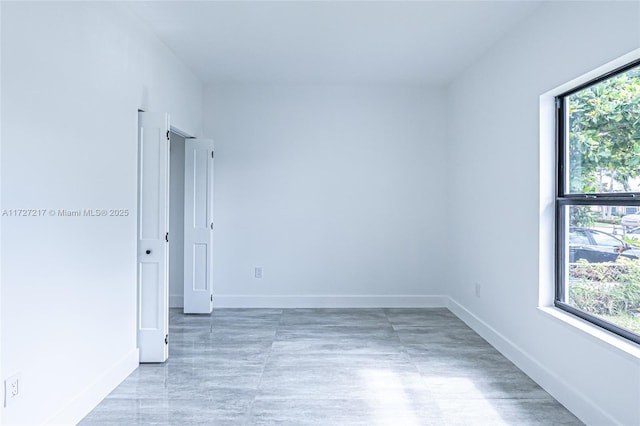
176, 220
191, 223
175, 230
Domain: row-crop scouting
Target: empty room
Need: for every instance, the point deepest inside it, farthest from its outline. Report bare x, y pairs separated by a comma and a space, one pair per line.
320, 212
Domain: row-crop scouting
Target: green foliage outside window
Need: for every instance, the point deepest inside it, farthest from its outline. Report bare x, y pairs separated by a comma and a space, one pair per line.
604, 134
609, 290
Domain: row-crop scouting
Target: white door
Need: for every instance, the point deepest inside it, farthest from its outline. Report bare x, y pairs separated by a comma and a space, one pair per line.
198, 226
153, 247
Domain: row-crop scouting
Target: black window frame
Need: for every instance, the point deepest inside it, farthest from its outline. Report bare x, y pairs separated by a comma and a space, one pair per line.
564, 199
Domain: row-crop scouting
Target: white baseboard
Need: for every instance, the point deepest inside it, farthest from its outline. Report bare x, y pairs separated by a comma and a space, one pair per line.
176, 300
323, 301
91, 396
585, 409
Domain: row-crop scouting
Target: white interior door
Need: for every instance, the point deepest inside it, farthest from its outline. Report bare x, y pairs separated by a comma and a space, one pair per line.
153, 247
198, 226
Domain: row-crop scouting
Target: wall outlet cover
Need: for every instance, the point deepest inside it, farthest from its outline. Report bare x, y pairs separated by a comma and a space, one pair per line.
12, 388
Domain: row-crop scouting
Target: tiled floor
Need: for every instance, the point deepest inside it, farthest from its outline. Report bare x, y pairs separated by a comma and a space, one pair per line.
328, 367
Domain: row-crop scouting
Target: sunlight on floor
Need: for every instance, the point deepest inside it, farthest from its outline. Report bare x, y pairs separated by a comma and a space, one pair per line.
387, 391
458, 400
466, 404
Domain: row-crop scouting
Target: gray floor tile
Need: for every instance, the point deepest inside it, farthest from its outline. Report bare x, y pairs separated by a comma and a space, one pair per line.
335, 376
427, 336
496, 412
337, 317
388, 409
227, 408
346, 345
328, 367
407, 318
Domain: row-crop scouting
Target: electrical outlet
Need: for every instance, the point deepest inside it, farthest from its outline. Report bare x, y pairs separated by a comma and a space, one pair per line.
12, 388
257, 272
478, 288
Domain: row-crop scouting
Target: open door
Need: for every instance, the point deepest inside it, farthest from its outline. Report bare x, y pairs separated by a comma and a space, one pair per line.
198, 226
153, 247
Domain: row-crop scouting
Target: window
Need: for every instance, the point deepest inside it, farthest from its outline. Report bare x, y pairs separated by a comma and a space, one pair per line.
597, 200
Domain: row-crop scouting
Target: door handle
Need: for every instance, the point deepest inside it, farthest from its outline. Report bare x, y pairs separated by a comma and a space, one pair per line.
148, 251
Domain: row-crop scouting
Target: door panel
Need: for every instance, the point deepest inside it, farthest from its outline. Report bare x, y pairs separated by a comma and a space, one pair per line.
198, 226
149, 278
153, 225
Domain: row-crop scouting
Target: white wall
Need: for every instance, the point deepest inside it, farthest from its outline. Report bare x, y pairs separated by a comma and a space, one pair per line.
334, 190
493, 153
73, 76
176, 223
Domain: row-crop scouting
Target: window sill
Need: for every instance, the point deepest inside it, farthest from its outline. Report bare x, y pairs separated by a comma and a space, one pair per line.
603, 337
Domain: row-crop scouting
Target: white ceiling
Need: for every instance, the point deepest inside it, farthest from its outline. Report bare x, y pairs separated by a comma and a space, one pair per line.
426, 42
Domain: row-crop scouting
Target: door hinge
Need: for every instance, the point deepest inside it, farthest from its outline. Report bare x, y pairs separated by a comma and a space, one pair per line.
212, 156
558, 103
166, 339
168, 138
212, 226
166, 237
212, 297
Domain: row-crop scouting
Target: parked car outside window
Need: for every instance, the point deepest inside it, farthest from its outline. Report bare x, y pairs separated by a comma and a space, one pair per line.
596, 246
